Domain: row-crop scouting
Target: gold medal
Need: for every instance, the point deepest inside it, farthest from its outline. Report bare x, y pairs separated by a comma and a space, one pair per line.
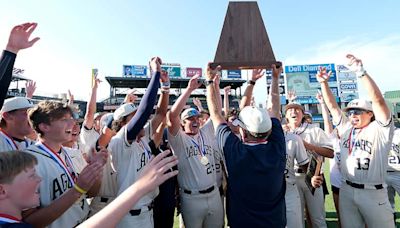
204, 160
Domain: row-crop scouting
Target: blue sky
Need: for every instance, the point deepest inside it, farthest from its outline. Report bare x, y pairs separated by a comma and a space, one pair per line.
79, 35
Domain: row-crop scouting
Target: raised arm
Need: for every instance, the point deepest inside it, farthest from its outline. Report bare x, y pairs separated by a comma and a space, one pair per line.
328, 127
18, 40
216, 83
91, 105
379, 107
246, 99
226, 107
212, 103
152, 176
173, 119
330, 101
162, 106
147, 103
274, 102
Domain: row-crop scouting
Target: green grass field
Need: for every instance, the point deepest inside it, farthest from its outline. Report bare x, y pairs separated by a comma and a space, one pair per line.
331, 218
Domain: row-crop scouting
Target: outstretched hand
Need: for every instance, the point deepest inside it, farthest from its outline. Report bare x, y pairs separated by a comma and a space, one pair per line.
356, 65
155, 64
30, 87
291, 96
319, 97
257, 74
227, 90
19, 37
194, 82
211, 73
156, 172
323, 75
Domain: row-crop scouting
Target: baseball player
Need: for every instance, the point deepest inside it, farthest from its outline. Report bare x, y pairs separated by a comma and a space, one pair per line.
195, 148
63, 186
130, 146
14, 125
316, 142
393, 171
366, 133
295, 150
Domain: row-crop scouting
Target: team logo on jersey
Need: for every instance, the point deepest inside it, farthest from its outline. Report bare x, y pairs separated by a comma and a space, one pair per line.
60, 185
359, 144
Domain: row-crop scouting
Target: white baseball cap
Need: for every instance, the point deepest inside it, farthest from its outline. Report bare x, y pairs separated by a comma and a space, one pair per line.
16, 103
124, 110
254, 119
359, 104
189, 113
294, 105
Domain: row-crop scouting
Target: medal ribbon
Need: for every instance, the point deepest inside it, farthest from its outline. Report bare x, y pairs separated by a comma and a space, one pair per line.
4, 219
202, 149
352, 142
56, 158
9, 140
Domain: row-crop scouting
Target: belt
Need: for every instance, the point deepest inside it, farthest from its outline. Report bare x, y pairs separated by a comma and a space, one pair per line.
136, 212
208, 190
299, 170
104, 199
363, 186
390, 171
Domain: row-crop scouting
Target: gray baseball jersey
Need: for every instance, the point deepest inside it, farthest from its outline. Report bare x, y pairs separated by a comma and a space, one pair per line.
129, 159
364, 152
7, 143
193, 174
294, 150
57, 172
394, 153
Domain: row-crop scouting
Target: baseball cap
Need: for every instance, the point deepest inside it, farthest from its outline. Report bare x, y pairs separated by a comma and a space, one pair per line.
294, 105
124, 110
254, 119
308, 114
189, 113
16, 103
359, 104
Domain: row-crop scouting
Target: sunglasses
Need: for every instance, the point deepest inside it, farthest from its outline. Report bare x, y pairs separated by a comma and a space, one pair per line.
355, 112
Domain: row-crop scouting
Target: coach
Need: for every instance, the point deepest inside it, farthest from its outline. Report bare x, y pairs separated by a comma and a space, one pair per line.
256, 165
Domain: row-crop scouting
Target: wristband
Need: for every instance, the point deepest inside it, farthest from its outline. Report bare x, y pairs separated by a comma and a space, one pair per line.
208, 82
251, 82
79, 189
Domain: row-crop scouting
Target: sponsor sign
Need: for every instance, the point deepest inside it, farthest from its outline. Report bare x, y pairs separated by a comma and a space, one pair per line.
192, 71
348, 86
347, 97
281, 89
174, 71
234, 73
302, 79
134, 70
346, 76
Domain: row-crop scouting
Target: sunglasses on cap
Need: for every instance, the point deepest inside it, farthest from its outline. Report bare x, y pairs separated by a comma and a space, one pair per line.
355, 112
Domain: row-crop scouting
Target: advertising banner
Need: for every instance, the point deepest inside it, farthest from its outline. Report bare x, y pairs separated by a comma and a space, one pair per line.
347, 97
174, 71
234, 73
348, 86
192, 71
134, 70
347, 76
302, 79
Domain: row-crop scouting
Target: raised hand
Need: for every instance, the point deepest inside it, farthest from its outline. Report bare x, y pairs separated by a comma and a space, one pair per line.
30, 87
130, 96
212, 73
276, 72
96, 82
89, 175
323, 75
19, 37
257, 74
196, 102
155, 64
155, 172
227, 90
291, 96
356, 65
70, 98
194, 82
164, 77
